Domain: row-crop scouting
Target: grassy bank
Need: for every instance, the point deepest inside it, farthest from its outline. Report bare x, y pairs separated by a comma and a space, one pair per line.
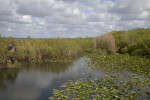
135, 42
37, 50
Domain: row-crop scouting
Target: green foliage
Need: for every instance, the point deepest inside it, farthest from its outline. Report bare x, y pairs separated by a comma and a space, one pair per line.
41, 49
135, 41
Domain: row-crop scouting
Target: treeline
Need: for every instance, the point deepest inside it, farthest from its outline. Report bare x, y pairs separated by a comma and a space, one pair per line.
135, 42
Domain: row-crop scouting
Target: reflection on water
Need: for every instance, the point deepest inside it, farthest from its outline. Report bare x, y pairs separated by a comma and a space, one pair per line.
35, 82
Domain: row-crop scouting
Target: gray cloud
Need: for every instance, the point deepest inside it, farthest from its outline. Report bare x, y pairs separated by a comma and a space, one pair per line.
71, 18
131, 9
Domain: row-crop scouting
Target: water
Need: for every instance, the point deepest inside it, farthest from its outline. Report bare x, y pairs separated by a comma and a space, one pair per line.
36, 82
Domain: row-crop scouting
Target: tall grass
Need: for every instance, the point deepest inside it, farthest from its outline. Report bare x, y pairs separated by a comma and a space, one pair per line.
135, 42
56, 48
106, 42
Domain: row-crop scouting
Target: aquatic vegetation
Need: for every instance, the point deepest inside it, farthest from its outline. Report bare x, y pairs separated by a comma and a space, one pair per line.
122, 63
128, 77
109, 87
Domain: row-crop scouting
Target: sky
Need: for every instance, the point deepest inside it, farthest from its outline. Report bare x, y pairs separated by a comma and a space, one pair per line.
71, 18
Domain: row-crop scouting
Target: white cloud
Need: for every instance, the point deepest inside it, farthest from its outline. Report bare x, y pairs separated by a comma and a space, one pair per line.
144, 14
9, 29
76, 11
27, 18
71, 18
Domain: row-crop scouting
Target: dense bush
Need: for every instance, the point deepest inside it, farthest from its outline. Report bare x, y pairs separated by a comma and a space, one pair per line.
134, 42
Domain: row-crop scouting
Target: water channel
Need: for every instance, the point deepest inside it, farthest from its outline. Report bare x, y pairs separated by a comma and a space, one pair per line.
37, 81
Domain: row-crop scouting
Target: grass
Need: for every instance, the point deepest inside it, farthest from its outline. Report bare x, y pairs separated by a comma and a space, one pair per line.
135, 42
41, 50
106, 42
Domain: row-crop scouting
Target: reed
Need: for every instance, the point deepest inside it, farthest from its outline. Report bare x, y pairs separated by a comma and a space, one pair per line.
106, 42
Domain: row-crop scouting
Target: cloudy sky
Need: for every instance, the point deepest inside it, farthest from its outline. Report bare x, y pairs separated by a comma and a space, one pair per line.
71, 18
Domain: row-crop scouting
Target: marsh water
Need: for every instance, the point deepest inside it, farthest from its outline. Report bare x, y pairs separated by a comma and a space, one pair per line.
37, 81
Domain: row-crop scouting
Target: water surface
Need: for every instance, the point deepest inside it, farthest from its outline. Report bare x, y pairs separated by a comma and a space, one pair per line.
36, 81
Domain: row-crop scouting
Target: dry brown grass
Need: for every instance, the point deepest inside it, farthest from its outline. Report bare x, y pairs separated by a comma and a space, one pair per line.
105, 41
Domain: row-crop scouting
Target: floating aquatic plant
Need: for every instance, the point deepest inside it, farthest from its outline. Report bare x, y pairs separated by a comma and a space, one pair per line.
127, 79
106, 88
